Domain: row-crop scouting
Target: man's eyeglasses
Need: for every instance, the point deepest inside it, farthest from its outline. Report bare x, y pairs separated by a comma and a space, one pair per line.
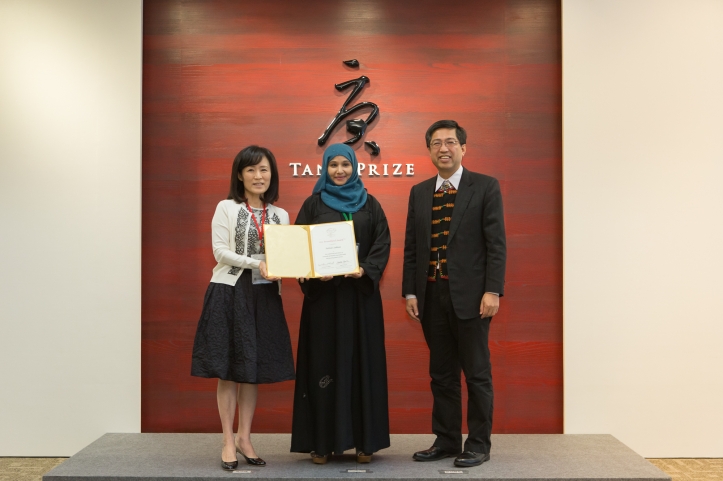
450, 143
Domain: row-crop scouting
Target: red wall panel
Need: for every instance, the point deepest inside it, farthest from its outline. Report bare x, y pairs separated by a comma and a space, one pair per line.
219, 75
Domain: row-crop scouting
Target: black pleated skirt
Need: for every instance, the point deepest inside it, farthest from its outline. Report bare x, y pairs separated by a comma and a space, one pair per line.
242, 335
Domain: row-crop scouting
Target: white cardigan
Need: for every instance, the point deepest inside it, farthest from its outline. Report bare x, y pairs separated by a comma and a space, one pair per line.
230, 223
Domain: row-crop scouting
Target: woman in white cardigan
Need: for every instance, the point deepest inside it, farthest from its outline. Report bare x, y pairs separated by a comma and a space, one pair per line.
242, 337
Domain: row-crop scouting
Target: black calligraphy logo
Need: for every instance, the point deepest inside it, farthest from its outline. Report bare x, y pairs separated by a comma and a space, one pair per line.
356, 127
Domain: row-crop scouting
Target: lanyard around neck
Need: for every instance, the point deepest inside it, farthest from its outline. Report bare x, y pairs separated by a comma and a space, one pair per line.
346, 216
256, 224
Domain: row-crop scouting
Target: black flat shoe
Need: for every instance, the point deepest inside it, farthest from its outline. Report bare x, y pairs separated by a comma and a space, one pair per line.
229, 466
469, 458
251, 461
432, 454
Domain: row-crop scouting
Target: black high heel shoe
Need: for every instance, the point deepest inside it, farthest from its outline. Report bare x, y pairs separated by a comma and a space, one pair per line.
229, 466
251, 461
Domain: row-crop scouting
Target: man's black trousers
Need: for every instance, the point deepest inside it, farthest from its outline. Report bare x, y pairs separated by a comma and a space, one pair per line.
457, 344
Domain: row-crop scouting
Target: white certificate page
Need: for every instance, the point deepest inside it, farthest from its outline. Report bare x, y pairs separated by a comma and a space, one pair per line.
334, 248
287, 250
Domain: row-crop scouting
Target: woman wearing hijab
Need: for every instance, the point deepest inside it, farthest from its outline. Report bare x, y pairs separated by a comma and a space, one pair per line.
340, 400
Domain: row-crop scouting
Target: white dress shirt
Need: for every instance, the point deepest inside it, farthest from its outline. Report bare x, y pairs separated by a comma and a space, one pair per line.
453, 179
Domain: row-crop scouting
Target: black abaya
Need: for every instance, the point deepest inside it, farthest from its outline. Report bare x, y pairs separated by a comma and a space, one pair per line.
340, 399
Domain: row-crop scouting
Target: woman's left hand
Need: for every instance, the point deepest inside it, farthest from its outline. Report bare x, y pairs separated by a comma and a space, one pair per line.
357, 275
265, 273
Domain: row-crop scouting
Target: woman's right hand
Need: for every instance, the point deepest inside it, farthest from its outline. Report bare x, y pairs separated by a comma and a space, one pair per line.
265, 274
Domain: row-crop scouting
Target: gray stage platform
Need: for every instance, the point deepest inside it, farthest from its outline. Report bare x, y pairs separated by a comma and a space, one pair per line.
166, 457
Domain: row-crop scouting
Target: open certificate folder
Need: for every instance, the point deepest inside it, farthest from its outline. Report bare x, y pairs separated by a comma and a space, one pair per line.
311, 250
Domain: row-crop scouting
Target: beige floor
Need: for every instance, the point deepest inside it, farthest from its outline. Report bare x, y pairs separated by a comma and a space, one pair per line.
26, 469
32, 469
691, 469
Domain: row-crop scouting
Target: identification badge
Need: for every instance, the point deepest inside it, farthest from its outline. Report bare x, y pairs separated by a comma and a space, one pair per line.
256, 277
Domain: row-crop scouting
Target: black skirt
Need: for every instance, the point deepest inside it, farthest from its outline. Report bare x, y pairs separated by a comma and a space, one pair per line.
242, 335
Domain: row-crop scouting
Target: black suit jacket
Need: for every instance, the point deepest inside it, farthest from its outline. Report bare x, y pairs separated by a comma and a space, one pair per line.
476, 246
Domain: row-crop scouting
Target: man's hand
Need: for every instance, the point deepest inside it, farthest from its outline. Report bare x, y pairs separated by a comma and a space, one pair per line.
412, 309
265, 273
358, 274
489, 306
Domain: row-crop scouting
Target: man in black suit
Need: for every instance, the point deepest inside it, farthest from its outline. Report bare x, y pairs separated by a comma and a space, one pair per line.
454, 273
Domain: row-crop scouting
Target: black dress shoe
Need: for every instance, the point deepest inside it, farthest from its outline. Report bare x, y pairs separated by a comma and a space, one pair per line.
229, 466
251, 461
470, 458
432, 454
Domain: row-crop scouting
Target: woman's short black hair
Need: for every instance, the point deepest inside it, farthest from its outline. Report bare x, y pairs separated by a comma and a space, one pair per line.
252, 155
447, 124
